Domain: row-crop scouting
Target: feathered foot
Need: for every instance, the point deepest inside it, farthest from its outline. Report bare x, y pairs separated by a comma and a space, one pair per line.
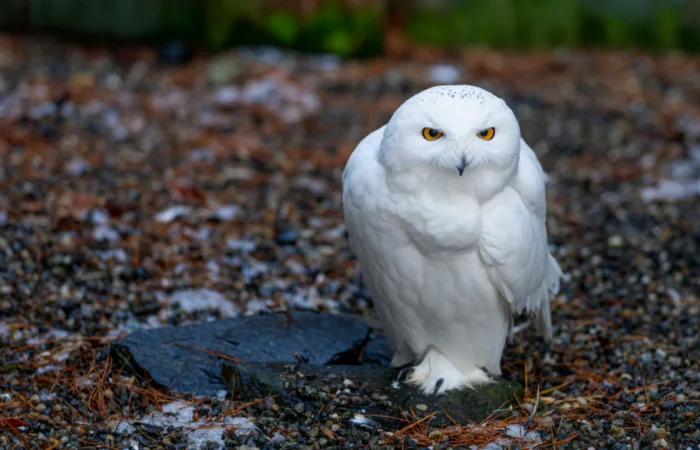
436, 375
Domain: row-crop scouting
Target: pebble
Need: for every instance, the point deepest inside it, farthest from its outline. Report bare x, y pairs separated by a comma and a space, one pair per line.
223, 69
615, 241
516, 431
546, 422
444, 74
287, 237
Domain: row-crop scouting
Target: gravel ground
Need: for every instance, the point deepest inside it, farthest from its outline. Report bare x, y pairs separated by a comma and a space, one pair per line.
128, 185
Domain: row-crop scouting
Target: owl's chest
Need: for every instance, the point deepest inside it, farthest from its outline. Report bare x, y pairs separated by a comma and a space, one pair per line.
445, 217
438, 204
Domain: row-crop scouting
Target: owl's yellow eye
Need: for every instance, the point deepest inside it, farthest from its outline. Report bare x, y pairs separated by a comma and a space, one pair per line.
487, 133
431, 134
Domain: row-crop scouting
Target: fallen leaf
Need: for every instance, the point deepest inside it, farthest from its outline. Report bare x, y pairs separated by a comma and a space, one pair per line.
12, 422
187, 192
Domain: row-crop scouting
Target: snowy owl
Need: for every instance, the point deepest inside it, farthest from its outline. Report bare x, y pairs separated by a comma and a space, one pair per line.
445, 211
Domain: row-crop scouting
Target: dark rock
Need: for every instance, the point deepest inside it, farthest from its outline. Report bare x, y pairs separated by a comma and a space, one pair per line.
377, 352
187, 358
669, 404
286, 237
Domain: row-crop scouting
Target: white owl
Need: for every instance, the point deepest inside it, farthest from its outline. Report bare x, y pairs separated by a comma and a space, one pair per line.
445, 210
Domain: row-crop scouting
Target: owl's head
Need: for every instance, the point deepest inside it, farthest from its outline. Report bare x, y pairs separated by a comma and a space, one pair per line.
457, 128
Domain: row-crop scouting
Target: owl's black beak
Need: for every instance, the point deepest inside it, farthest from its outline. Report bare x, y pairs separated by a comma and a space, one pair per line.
462, 165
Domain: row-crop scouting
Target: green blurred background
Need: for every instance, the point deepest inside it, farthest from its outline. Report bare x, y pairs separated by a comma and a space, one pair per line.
359, 28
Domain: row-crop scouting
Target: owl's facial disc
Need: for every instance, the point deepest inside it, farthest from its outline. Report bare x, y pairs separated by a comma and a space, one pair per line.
450, 128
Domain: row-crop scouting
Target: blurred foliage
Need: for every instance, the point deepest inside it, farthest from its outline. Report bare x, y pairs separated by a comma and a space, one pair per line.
654, 24
355, 27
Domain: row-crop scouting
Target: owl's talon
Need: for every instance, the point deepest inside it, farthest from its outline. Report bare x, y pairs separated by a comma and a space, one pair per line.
438, 384
486, 371
402, 371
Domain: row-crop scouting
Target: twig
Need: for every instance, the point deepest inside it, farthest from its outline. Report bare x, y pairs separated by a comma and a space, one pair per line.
408, 427
244, 406
534, 409
210, 352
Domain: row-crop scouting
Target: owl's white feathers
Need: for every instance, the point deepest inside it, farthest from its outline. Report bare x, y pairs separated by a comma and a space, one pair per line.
450, 234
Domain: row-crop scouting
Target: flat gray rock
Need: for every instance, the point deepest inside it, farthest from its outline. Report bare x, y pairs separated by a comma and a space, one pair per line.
188, 358
257, 356
377, 352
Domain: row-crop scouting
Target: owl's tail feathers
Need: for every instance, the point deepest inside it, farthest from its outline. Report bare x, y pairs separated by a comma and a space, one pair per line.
555, 275
544, 317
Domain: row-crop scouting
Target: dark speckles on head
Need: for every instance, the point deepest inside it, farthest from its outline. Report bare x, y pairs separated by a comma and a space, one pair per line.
457, 92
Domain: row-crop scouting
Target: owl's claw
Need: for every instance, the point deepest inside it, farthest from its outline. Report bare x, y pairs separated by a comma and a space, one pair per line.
402, 371
438, 384
486, 371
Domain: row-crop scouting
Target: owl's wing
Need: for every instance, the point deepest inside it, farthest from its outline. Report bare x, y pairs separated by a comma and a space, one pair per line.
371, 227
363, 202
514, 245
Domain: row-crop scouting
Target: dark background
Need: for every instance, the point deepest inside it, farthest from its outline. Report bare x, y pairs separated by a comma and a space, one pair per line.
360, 27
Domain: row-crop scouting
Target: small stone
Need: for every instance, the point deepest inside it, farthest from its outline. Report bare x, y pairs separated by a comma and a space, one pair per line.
422, 407
669, 404
444, 74
227, 95
493, 446
82, 80
437, 435
286, 237
661, 443
299, 408
515, 431
532, 436
546, 422
223, 70
615, 241
41, 407
35, 399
